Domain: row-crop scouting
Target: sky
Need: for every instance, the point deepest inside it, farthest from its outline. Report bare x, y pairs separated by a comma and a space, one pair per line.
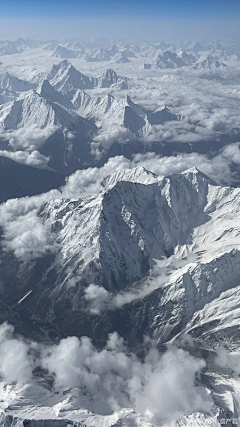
132, 18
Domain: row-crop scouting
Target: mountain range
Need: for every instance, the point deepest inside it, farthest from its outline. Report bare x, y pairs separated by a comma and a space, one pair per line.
144, 237
61, 109
119, 261
168, 60
147, 255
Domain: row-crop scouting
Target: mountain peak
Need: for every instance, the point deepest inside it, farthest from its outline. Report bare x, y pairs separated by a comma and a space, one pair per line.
110, 73
65, 63
45, 86
63, 52
48, 92
194, 171
138, 175
64, 77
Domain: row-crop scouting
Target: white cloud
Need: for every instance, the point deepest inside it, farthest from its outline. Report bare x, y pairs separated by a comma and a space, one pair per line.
111, 134
24, 232
217, 167
168, 386
98, 296
88, 181
34, 158
16, 363
159, 387
27, 236
30, 138
228, 360
24, 144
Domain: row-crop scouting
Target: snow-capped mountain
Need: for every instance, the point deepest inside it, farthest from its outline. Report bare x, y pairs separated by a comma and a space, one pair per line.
99, 56
188, 58
49, 93
111, 79
18, 46
136, 118
147, 255
123, 112
63, 52
120, 58
113, 54
13, 84
128, 53
209, 63
43, 114
139, 222
51, 46
168, 60
9, 50
146, 50
64, 77
33, 109
90, 107
197, 47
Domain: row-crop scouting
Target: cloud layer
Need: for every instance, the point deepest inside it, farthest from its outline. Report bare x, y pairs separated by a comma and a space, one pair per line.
159, 387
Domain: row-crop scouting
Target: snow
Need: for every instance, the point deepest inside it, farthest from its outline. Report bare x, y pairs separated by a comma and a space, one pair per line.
168, 60
31, 109
62, 52
12, 83
163, 251
176, 234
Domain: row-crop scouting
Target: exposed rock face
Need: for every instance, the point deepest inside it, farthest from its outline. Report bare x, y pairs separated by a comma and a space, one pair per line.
114, 240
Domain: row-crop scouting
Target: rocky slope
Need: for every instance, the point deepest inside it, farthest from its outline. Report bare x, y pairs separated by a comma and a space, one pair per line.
138, 224
148, 255
168, 60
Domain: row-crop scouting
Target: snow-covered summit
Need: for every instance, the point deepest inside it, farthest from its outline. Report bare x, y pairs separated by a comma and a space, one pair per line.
120, 58
128, 53
98, 56
123, 112
63, 52
64, 77
168, 60
113, 238
34, 109
139, 175
51, 46
12, 83
48, 92
147, 254
111, 79
209, 62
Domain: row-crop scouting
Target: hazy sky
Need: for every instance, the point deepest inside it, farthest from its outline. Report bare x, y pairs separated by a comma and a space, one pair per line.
131, 18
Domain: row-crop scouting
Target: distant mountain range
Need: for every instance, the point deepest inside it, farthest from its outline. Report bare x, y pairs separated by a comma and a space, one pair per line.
60, 106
